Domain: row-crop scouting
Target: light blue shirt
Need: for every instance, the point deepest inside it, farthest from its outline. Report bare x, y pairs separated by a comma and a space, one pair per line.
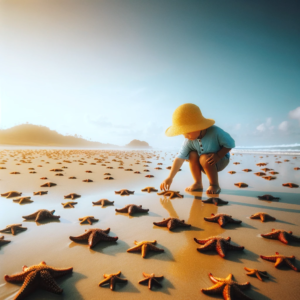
214, 139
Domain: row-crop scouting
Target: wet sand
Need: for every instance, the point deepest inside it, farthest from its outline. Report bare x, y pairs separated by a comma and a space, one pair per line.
184, 268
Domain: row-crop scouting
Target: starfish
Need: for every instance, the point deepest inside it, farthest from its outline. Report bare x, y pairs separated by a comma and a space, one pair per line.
48, 184
231, 172
241, 184
87, 180
257, 273
40, 275
3, 241
146, 170
158, 168
222, 219
23, 200
43, 178
41, 214
281, 235
260, 174
72, 177
11, 194
236, 163
280, 260
137, 172
217, 243
278, 162
69, 204
261, 164
262, 216
132, 209
144, 247
128, 170
14, 172
172, 223
297, 168
32, 172
107, 174
13, 228
247, 170
94, 236
124, 192
273, 172
108, 178
169, 167
291, 185
149, 176
215, 201
269, 177
56, 170
112, 279
40, 193
172, 194
151, 279
149, 189
88, 219
88, 171
266, 169
267, 197
229, 288
103, 202
72, 196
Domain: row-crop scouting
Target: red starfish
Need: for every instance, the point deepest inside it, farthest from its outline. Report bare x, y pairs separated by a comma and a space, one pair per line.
281, 235
280, 260
291, 185
222, 219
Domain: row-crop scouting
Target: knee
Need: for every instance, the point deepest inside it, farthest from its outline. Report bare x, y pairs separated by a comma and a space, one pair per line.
193, 155
203, 162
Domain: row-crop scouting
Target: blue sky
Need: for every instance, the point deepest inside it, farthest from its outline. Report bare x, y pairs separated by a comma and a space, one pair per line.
113, 71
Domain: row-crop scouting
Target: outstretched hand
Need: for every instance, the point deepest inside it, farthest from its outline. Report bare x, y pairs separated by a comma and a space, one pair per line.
165, 185
213, 158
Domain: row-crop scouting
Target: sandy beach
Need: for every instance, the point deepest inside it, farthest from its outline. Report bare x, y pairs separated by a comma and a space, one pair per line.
185, 270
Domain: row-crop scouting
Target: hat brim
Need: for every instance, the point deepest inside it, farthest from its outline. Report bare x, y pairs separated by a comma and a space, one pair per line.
178, 130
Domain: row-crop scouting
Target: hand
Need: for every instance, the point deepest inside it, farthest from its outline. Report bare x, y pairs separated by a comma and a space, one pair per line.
213, 158
165, 185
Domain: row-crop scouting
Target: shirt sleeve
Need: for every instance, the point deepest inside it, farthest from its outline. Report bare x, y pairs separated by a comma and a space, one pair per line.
185, 150
225, 139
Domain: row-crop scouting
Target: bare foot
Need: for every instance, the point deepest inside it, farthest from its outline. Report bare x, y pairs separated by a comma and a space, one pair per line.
213, 189
195, 187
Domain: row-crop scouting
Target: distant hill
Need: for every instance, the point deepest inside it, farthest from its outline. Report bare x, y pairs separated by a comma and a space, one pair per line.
37, 135
138, 144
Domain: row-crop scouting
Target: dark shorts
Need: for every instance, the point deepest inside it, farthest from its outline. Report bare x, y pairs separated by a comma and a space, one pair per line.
221, 164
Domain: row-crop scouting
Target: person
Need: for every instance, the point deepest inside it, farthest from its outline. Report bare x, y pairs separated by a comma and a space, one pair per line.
206, 147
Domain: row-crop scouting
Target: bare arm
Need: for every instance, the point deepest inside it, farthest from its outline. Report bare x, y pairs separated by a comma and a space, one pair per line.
177, 163
223, 151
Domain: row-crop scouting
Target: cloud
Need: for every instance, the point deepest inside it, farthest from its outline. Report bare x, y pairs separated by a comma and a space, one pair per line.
261, 127
266, 127
295, 114
238, 126
283, 126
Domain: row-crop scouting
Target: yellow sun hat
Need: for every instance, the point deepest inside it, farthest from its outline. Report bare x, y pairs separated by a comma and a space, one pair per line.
188, 118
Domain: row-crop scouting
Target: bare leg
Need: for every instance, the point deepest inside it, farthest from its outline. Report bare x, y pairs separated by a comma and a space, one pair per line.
212, 175
196, 172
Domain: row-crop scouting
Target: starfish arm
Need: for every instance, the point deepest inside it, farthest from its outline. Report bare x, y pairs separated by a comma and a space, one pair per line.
135, 248
155, 282
222, 220
202, 242
212, 219
80, 238
29, 285
145, 249
104, 281
123, 210
278, 262
288, 262
271, 235
258, 275
269, 258
243, 286
139, 209
143, 280
48, 283
122, 280
263, 217
209, 245
234, 221
283, 237
89, 221
58, 272
162, 223
263, 273
106, 230
232, 247
32, 216
215, 289
5, 230
240, 295
220, 248
181, 223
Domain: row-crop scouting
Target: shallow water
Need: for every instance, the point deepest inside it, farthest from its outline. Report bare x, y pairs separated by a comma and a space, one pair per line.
184, 268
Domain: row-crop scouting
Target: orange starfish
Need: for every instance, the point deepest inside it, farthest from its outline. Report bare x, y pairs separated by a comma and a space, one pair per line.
11, 194
40, 275
124, 192
281, 260
144, 247
291, 185
112, 279
151, 279
257, 273
281, 235
171, 194
103, 202
262, 216
241, 184
48, 184
149, 189
40, 193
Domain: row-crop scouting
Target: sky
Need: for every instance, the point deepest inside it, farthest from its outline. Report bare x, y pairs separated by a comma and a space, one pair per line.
115, 70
